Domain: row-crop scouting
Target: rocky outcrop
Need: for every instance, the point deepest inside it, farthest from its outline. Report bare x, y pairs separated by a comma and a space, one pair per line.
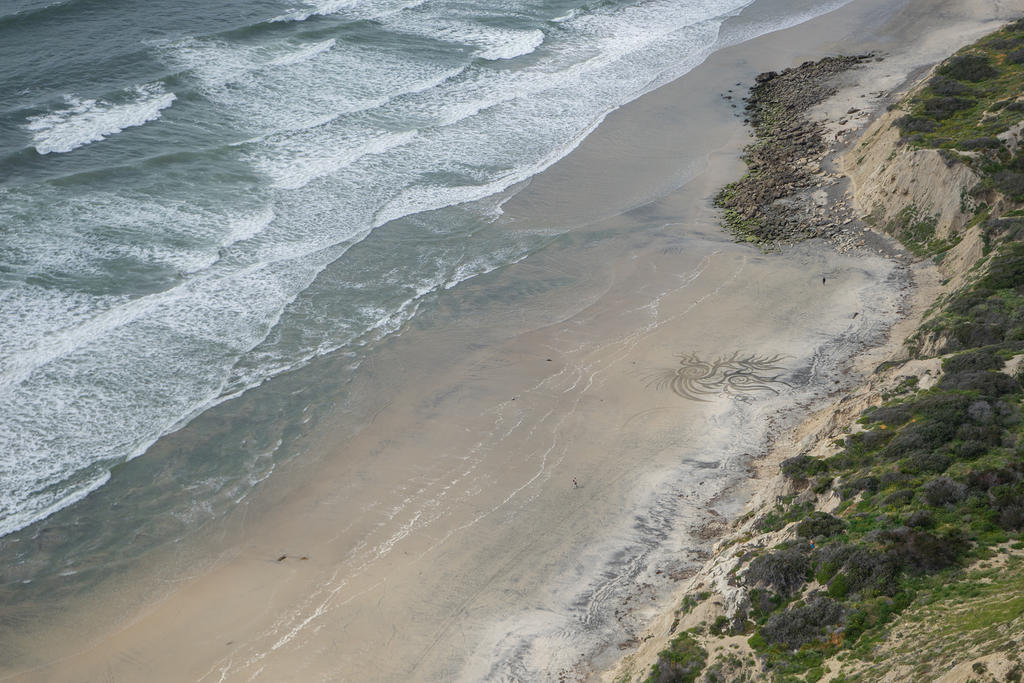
784, 195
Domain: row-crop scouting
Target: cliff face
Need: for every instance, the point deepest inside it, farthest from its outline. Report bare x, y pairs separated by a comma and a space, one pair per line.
899, 189
889, 177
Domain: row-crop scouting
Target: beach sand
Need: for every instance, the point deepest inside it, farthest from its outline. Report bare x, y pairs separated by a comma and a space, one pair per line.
442, 538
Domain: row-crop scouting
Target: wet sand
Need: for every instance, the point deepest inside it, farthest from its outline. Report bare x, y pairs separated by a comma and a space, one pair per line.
442, 538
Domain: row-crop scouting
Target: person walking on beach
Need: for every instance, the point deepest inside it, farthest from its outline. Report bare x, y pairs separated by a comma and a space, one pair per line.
575, 484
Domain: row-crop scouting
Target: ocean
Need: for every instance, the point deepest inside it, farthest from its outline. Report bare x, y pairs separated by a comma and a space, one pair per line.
196, 198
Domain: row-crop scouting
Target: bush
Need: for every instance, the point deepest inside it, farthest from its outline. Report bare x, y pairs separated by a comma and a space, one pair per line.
894, 478
803, 466
943, 491
984, 480
920, 519
970, 450
985, 382
916, 124
820, 524
681, 662
898, 498
971, 68
839, 587
870, 483
947, 87
1008, 499
850, 489
924, 551
1009, 228
921, 436
799, 625
1012, 517
831, 558
984, 142
1010, 183
872, 569
973, 361
1005, 271
1016, 57
943, 107
786, 570
893, 416
926, 462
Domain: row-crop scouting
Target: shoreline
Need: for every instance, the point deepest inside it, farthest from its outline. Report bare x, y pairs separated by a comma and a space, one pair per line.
253, 559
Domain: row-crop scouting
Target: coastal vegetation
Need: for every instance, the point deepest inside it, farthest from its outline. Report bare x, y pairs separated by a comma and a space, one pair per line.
900, 551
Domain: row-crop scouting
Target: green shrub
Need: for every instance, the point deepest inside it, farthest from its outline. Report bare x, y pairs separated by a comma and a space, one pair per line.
916, 124
970, 67
799, 625
819, 524
829, 559
682, 662
1010, 183
925, 462
871, 569
985, 382
894, 479
943, 491
899, 498
719, 626
947, 87
940, 108
984, 142
803, 466
783, 569
921, 436
921, 519
839, 587
973, 361
1008, 500
970, 449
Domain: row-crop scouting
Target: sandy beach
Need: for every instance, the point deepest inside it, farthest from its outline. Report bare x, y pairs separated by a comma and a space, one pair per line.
539, 471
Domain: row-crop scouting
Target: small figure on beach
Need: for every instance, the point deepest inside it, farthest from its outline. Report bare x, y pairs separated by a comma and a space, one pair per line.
822, 280
575, 484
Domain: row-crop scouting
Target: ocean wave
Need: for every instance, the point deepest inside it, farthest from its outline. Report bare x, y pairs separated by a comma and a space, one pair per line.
280, 88
366, 9
84, 121
488, 42
297, 160
34, 8
304, 53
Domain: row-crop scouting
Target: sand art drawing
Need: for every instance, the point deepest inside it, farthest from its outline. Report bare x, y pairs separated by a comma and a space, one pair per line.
734, 375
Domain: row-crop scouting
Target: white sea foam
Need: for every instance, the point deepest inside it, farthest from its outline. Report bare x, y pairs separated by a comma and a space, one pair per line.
358, 9
297, 159
84, 121
274, 89
304, 53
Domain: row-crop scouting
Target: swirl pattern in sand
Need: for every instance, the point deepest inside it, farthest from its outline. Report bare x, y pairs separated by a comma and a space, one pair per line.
732, 375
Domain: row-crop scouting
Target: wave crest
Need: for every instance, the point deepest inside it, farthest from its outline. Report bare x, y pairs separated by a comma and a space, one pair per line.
85, 121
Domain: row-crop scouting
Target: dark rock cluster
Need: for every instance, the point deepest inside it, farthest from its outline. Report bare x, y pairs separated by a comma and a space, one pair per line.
783, 197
